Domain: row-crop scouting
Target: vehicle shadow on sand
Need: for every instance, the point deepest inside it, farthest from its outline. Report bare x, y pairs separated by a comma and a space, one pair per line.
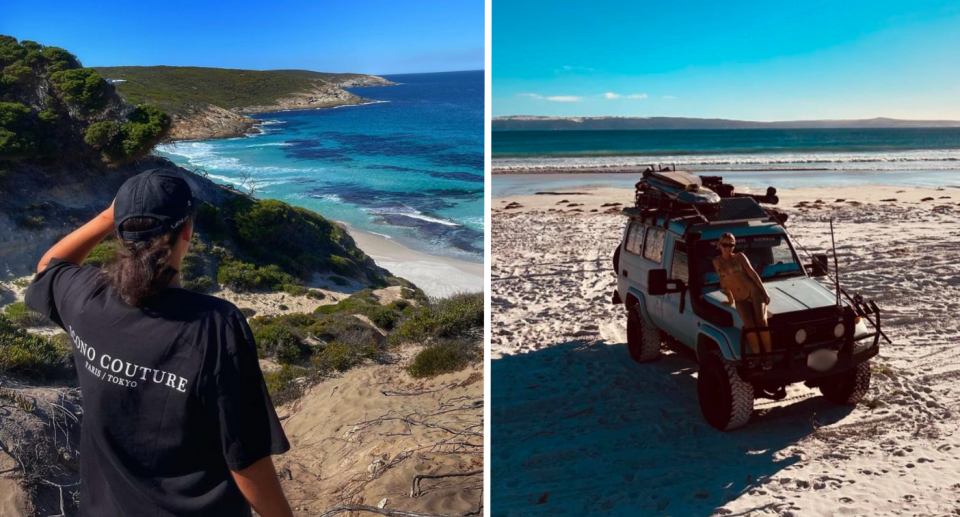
579, 429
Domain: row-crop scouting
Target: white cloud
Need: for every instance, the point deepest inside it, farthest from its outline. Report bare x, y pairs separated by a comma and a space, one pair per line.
611, 95
568, 68
552, 98
637, 96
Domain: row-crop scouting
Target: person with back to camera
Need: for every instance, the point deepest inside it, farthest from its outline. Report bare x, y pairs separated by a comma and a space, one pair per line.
177, 419
745, 290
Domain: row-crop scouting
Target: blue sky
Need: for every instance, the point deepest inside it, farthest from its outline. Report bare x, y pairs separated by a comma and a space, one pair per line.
755, 60
367, 36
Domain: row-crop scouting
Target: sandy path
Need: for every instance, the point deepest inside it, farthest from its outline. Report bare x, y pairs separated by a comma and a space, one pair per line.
360, 438
579, 429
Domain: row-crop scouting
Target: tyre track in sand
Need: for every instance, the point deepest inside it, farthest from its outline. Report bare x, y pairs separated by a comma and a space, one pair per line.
578, 428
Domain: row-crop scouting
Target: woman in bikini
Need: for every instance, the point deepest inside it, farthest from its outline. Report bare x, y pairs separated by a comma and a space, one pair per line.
745, 291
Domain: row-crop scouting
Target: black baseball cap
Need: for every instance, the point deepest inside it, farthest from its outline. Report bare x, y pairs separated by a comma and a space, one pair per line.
161, 194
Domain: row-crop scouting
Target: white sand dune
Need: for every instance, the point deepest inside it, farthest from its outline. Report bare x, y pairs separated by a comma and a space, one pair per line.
579, 429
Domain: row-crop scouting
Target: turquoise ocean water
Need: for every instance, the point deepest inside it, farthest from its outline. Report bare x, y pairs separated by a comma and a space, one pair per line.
408, 167
750, 157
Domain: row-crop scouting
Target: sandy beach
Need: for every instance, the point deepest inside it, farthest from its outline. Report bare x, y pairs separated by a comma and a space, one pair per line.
437, 276
580, 429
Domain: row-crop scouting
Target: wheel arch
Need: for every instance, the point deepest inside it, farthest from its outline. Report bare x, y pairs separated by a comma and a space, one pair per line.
635, 297
709, 339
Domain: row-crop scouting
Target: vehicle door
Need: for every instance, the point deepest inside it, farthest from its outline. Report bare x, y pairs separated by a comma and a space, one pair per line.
633, 270
681, 325
652, 258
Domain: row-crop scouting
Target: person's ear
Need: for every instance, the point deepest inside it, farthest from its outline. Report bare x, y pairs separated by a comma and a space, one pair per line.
187, 230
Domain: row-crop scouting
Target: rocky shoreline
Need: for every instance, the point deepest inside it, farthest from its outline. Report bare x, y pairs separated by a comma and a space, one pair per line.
209, 122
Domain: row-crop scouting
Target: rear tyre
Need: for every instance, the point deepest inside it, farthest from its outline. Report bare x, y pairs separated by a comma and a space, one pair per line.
849, 387
643, 339
726, 400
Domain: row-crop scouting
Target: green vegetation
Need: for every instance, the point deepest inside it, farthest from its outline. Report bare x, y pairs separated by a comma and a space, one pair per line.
334, 339
81, 87
279, 247
32, 356
282, 384
103, 253
443, 357
242, 276
52, 109
328, 77
457, 316
19, 314
177, 89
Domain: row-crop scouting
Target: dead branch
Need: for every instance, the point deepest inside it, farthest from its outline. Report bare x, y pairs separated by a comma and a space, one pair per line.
415, 484
389, 393
373, 509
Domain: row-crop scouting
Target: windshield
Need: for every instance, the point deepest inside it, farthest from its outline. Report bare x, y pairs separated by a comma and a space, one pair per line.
770, 255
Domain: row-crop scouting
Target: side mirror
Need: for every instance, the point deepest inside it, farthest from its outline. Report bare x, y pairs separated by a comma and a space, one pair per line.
659, 285
820, 266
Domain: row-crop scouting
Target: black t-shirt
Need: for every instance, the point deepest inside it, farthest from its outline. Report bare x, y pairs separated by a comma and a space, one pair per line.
173, 396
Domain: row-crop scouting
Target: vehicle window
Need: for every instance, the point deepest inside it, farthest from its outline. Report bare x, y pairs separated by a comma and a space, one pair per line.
635, 239
679, 268
770, 255
653, 246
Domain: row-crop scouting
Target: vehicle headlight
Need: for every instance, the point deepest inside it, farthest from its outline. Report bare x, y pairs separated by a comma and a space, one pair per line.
801, 336
838, 330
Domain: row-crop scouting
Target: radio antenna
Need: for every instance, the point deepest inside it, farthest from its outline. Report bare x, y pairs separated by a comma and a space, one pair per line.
836, 266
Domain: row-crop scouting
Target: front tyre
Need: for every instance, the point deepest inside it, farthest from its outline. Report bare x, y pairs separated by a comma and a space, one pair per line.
849, 387
726, 400
643, 339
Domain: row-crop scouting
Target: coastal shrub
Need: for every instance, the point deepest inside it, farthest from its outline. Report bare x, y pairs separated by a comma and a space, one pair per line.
248, 312
82, 87
286, 384
294, 289
100, 134
242, 276
384, 317
201, 284
58, 59
19, 314
339, 280
442, 357
48, 119
144, 128
193, 268
341, 356
315, 294
277, 340
18, 138
360, 302
458, 315
346, 329
342, 266
33, 356
103, 253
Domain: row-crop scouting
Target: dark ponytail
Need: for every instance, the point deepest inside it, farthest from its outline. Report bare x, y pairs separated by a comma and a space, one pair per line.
142, 269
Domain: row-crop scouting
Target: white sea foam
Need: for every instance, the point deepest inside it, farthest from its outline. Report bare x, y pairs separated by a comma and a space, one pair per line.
411, 213
269, 144
355, 105
942, 159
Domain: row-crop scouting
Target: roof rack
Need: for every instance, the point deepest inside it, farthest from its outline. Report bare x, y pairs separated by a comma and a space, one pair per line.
698, 200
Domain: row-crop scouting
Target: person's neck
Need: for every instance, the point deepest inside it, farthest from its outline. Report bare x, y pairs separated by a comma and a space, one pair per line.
175, 281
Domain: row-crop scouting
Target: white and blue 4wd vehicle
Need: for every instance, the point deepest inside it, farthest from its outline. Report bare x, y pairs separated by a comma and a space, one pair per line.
667, 282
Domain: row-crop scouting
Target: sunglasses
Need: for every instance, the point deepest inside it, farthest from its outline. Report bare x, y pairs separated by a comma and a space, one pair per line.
727, 245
